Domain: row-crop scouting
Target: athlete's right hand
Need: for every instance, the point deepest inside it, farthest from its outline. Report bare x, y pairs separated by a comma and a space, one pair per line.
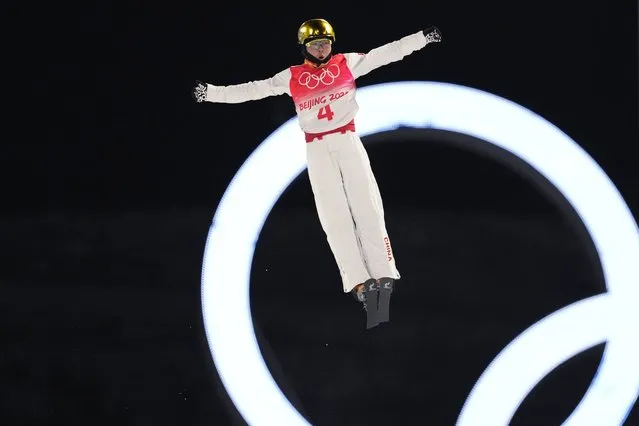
199, 91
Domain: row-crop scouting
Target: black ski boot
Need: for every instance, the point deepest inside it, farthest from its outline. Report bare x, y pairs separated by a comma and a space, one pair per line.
385, 290
368, 294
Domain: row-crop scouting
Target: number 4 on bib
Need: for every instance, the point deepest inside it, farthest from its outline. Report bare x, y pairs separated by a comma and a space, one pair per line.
325, 112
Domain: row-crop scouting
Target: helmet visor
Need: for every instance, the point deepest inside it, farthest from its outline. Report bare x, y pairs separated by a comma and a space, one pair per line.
317, 46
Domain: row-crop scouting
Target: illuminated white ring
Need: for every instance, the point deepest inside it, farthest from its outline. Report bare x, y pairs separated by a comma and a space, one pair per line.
610, 317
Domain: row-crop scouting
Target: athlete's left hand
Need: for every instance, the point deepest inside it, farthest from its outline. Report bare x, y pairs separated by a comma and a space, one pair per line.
433, 35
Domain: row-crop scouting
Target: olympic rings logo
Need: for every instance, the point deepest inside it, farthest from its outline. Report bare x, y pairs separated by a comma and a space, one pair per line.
326, 77
611, 317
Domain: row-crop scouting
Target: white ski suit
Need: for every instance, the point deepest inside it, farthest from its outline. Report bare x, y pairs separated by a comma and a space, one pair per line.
346, 194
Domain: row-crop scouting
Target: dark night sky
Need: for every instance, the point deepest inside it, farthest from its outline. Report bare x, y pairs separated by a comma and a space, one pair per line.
119, 129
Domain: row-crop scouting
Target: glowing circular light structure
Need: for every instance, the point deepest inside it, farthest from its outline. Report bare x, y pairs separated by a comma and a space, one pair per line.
611, 317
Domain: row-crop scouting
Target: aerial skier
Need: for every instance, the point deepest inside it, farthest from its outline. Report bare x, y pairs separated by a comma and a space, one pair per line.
347, 198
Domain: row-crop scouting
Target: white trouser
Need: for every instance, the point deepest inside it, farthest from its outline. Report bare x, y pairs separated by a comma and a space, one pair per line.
350, 208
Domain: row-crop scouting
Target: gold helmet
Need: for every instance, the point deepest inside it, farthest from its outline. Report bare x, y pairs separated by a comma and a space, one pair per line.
314, 29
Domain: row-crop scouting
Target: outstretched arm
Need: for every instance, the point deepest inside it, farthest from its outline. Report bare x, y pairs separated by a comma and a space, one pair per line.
236, 93
363, 63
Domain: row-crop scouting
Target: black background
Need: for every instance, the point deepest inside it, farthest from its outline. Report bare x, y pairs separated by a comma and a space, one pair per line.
112, 174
